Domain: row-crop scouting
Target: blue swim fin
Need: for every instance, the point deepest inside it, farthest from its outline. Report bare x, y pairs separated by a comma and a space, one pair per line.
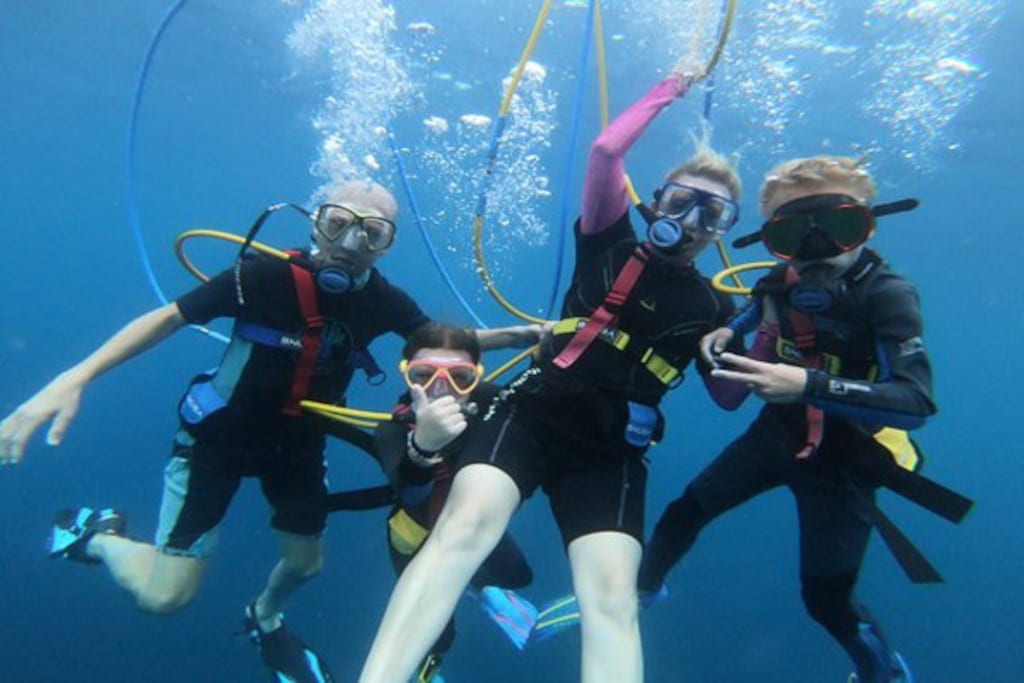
556, 616
73, 528
875, 662
514, 614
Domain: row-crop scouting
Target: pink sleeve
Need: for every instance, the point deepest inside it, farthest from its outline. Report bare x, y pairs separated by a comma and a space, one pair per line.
729, 395
605, 197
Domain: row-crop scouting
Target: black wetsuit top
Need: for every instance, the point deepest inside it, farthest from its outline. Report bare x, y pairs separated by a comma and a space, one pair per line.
670, 309
255, 379
422, 492
875, 332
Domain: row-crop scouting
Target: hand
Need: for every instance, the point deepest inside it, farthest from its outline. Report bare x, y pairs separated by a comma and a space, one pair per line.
714, 343
438, 422
57, 400
689, 69
773, 382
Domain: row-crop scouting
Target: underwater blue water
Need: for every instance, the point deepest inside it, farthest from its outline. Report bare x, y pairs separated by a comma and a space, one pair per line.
225, 129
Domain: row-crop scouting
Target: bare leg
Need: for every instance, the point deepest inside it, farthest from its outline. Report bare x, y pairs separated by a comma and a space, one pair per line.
161, 584
604, 570
477, 511
302, 559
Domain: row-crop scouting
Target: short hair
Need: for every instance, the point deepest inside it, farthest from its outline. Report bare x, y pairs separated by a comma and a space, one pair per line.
709, 163
819, 172
435, 335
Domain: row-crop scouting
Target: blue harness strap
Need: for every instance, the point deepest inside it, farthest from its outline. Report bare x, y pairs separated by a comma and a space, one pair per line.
200, 401
267, 336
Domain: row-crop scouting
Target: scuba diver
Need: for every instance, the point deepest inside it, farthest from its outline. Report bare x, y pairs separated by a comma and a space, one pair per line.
578, 422
419, 452
301, 329
838, 355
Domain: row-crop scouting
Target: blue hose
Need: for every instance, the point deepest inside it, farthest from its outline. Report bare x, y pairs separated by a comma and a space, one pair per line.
567, 195
131, 200
423, 231
709, 84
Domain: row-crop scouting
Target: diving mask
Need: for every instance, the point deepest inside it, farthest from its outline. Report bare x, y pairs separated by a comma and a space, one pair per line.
335, 223
678, 202
817, 227
462, 376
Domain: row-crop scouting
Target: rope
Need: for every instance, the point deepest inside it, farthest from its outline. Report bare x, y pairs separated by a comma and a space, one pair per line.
567, 194
407, 187
131, 201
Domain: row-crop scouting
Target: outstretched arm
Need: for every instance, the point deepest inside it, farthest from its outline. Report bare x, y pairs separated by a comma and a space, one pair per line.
900, 396
514, 337
605, 197
59, 399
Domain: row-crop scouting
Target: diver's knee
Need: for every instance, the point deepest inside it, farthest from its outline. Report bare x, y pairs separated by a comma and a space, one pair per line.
468, 530
610, 597
165, 601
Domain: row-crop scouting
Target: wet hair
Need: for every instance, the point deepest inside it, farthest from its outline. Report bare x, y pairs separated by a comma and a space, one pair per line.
819, 172
437, 336
708, 163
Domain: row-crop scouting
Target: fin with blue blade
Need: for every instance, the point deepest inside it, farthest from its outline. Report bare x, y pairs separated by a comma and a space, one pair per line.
556, 616
514, 614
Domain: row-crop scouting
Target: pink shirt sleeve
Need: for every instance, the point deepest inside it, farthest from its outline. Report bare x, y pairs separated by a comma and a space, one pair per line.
605, 197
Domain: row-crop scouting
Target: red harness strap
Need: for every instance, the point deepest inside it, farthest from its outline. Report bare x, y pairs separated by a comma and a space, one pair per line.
806, 342
305, 288
608, 312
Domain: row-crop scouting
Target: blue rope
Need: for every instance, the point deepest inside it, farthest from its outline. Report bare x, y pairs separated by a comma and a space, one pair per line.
709, 84
492, 159
423, 231
131, 199
567, 195
709, 90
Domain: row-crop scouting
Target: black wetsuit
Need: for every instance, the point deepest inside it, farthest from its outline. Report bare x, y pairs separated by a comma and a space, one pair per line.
881, 377
238, 429
565, 430
421, 493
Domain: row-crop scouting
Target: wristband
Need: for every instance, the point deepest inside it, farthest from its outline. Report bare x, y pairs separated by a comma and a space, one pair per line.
418, 455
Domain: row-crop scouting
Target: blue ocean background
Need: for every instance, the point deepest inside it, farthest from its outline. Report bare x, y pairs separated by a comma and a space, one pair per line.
226, 127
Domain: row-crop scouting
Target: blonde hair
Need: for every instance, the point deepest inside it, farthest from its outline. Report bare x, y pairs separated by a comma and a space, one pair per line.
818, 173
708, 163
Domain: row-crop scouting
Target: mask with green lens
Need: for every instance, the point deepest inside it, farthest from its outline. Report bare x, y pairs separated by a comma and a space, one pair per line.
817, 227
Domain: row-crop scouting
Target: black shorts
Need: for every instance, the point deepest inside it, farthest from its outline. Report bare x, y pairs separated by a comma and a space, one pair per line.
590, 489
206, 469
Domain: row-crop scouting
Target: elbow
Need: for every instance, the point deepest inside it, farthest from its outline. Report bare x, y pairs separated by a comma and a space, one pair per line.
730, 403
918, 418
908, 422
603, 149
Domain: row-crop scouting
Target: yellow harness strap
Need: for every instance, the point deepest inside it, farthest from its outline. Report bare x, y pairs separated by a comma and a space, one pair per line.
898, 442
405, 534
656, 364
